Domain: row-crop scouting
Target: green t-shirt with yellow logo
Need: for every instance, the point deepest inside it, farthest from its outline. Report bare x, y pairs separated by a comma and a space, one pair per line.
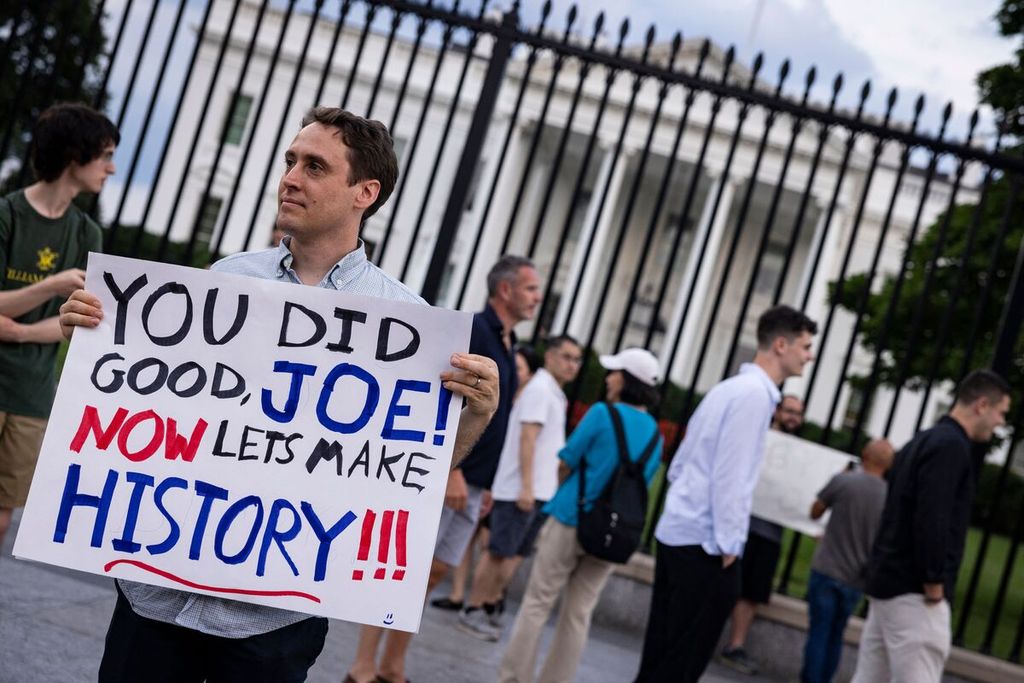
32, 248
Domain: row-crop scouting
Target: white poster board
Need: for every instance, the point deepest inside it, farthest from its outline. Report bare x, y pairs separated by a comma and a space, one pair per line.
792, 473
249, 439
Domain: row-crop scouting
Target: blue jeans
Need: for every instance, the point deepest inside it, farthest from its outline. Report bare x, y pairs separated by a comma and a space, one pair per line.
830, 604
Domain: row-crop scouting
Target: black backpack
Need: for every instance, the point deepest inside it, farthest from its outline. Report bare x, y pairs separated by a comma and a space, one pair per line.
611, 529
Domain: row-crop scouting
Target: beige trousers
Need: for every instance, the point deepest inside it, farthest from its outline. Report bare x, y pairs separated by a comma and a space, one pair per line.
559, 563
905, 640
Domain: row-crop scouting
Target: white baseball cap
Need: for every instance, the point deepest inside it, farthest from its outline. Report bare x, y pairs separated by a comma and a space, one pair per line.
640, 363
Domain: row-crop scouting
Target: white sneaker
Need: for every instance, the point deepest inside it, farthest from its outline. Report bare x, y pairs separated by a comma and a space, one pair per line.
474, 622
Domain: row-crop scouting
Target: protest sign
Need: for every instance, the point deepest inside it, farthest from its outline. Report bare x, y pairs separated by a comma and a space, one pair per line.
792, 473
252, 440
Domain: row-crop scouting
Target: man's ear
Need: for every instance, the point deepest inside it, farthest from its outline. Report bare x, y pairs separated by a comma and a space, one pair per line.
780, 344
504, 290
369, 190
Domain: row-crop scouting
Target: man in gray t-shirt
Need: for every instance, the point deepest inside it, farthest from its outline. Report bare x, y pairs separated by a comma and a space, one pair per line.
856, 499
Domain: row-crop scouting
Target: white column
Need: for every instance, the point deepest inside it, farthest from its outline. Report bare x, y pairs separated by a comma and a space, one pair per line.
817, 308
493, 230
819, 233
587, 233
702, 284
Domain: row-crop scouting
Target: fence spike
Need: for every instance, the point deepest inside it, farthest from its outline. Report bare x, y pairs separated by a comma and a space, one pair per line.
919, 104
784, 70
570, 19
677, 42
623, 30
758, 63
545, 10
598, 23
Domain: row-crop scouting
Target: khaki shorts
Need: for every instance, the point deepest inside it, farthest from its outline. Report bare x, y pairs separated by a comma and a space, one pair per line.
20, 439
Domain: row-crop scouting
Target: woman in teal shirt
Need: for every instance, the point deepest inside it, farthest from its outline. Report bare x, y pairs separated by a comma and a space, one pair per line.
560, 563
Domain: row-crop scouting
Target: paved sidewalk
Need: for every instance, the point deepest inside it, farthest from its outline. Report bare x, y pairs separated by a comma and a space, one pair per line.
53, 621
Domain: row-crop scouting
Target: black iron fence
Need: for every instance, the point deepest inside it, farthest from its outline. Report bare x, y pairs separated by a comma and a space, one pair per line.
667, 193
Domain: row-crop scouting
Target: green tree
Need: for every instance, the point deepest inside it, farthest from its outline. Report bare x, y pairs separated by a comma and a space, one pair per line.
50, 51
917, 319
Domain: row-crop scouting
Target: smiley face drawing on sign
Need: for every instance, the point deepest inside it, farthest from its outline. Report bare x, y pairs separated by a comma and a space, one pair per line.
389, 618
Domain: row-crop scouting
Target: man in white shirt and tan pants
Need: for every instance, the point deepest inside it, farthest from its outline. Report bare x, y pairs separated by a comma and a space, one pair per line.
703, 527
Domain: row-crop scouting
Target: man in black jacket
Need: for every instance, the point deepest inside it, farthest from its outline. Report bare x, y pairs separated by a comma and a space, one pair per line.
920, 542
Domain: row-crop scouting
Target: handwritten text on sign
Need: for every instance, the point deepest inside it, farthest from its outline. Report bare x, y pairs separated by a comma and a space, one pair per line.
232, 436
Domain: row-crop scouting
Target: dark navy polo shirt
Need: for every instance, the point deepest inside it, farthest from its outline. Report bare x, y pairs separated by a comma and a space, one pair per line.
482, 462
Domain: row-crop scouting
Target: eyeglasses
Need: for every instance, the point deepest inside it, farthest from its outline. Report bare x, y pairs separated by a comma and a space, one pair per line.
571, 358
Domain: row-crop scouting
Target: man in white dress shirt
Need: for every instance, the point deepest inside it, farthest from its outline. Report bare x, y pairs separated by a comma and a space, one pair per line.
703, 527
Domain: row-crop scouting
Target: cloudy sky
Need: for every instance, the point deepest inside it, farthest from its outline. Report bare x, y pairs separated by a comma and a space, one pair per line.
934, 47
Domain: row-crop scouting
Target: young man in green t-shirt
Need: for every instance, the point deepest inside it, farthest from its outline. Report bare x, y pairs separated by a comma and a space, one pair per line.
44, 243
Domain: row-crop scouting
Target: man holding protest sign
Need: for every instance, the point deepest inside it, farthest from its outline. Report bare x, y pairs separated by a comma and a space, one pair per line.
339, 170
513, 294
44, 242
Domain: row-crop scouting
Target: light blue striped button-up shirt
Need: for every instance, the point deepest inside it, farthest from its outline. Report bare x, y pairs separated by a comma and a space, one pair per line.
230, 618
713, 474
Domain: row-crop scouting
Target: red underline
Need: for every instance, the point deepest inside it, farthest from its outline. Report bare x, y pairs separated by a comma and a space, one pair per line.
217, 589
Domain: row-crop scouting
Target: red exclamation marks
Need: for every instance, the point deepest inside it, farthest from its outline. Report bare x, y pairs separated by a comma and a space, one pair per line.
387, 523
400, 532
384, 546
364, 543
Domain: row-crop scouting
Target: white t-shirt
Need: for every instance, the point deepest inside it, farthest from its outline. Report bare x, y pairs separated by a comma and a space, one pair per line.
542, 402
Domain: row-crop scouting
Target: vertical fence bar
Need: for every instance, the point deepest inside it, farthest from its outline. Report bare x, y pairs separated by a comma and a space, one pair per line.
997, 494
499, 166
148, 117
691, 193
844, 166
556, 70
282, 121
1004, 582
581, 177
865, 91
371, 14
453, 107
592, 144
396, 203
917, 321
52, 82
890, 311
769, 224
33, 54
741, 220
801, 212
344, 7
396, 20
90, 45
538, 132
876, 257
218, 64
627, 214
660, 201
470, 156
174, 123
615, 157
263, 97
766, 230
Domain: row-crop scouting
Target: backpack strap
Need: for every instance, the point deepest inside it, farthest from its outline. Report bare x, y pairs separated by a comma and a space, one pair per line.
624, 459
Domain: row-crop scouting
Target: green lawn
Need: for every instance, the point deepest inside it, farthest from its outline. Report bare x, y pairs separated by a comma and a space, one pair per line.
984, 599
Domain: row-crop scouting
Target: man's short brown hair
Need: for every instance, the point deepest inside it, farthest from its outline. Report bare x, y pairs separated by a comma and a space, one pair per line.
371, 151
